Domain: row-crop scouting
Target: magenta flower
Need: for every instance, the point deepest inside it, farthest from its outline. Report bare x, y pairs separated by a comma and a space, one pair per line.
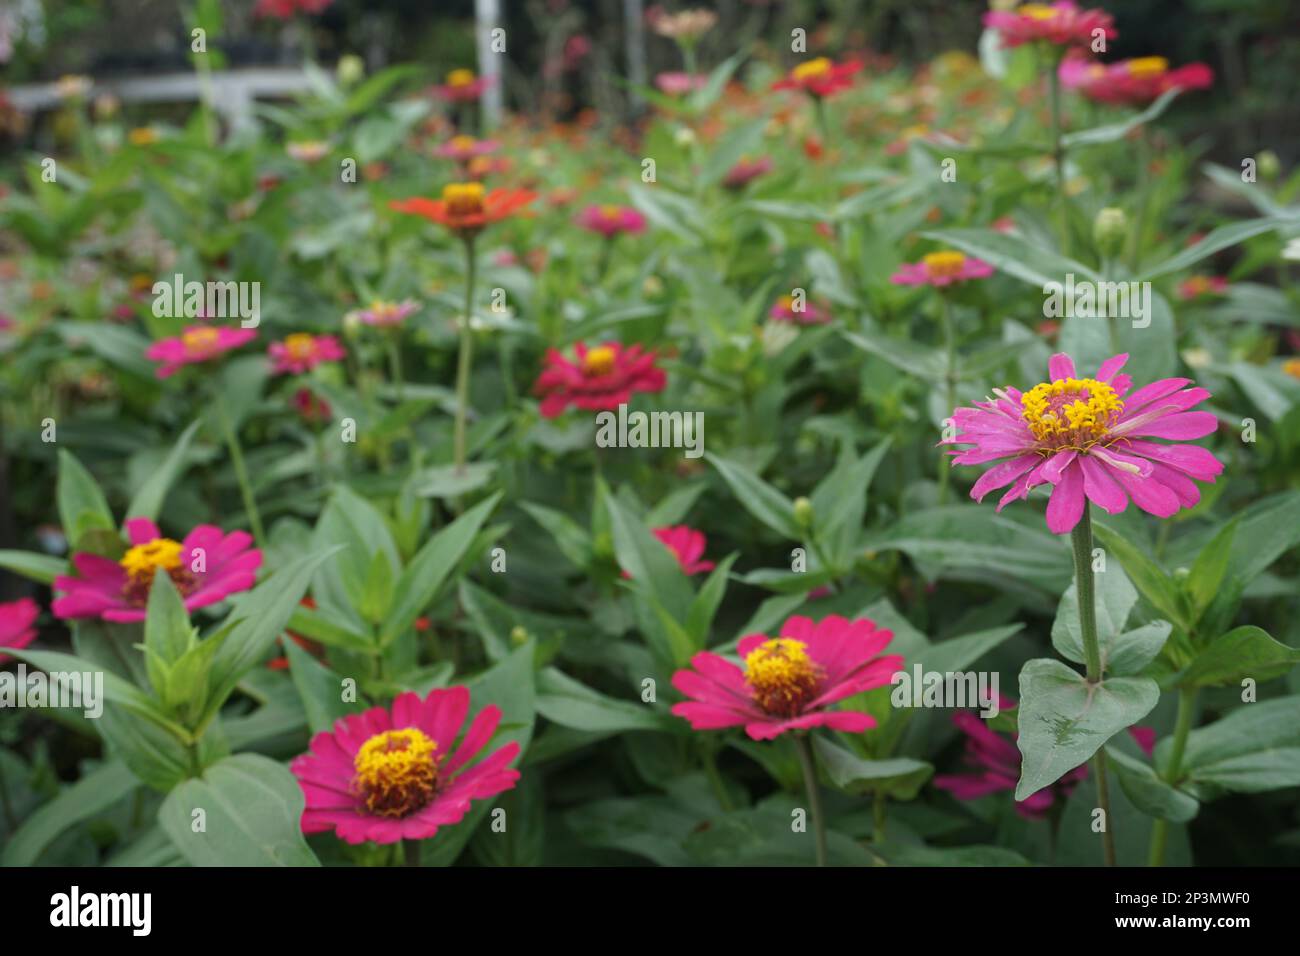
384, 314
462, 86
687, 546
941, 269
198, 343
207, 567
611, 221
679, 84
1062, 24
1131, 82
789, 682
17, 624
302, 352
784, 309
746, 171
1087, 438
464, 148
603, 377
387, 776
1194, 287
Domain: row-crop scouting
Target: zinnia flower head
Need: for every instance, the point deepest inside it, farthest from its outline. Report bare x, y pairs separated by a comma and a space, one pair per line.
1062, 24
611, 220
301, 352
678, 83
1131, 82
308, 151
462, 86
310, 407
465, 208
387, 775
786, 309
687, 546
464, 148
198, 343
686, 26
820, 77
789, 682
745, 171
941, 269
18, 624
602, 378
206, 567
384, 315
1194, 287
1089, 439
284, 9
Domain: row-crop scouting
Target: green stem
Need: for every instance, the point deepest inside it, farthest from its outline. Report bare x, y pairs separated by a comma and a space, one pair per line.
466, 358
1182, 727
823, 122
11, 821
241, 472
715, 779
411, 852
950, 384
1081, 539
395, 364
814, 795
1144, 198
878, 807
1058, 155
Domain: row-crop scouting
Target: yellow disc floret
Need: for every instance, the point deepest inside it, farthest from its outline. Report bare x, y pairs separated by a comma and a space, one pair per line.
813, 69
300, 346
460, 77
1145, 67
1037, 11
463, 199
1071, 412
944, 264
143, 560
200, 342
396, 771
598, 361
781, 675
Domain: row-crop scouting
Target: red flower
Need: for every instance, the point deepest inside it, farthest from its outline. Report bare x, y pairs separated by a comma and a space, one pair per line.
1063, 24
820, 77
1132, 82
465, 208
284, 9
687, 546
462, 86
602, 378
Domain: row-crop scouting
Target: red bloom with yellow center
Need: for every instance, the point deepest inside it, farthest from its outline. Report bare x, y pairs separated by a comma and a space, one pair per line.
466, 208
388, 775
1061, 24
462, 86
1131, 82
789, 682
602, 378
820, 77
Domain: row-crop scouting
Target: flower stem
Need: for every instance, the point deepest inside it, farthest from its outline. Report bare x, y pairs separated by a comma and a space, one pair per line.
950, 384
466, 358
410, 852
395, 365
241, 473
814, 795
1081, 538
1058, 156
1182, 727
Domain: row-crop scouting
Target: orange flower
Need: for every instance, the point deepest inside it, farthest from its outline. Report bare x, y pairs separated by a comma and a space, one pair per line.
465, 208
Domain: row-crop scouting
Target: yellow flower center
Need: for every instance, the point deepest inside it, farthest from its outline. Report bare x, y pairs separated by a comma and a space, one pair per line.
300, 346
1145, 67
598, 361
396, 771
1292, 367
200, 341
813, 69
611, 212
463, 199
143, 560
463, 142
460, 77
781, 676
1036, 11
1071, 412
944, 264
142, 136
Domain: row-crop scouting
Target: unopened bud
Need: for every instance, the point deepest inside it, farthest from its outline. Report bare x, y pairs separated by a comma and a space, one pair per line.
803, 512
1110, 230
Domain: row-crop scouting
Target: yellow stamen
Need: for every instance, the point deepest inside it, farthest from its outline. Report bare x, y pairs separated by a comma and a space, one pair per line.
813, 69
396, 771
944, 264
463, 199
141, 561
1145, 67
200, 341
460, 77
463, 142
1071, 412
781, 675
1036, 11
598, 361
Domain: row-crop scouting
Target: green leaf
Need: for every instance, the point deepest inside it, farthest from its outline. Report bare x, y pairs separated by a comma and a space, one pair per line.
900, 777
572, 540
116, 690
912, 357
959, 653
377, 593
1243, 652
252, 810
1113, 132
167, 630
1206, 577
90, 796
569, 703
82, 507
1254, 749
319, 688
147, 501
652, 566
1017, 256
1063, 719
1214, 241
699, 618
1153, 584
1148, 792
759, 498
421, 580
41, 568
1122, 652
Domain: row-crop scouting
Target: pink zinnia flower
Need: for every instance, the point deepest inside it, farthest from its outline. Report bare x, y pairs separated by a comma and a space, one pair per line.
1196, 286
17, 620
198, 343
1131, 82
206, 567
384, 315
941, 269
611, 221
284, 9
1063, 24
745, 171
820, 77
462, 86
302, 352
310, 407
396, 775
679, 84
784, 310
996, 761
603, 377
789, 682
1087, 438
464, 148
687, 546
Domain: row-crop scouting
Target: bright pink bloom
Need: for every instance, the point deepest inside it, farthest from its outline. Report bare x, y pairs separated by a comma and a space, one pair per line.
396, 775
611, 221
1131, 82
603, 377
745, 171
385, 315
284, 9
941, 269
311, 408
1089, 439
789, 682
17, 624
206, 567
464, 148
687, 546
1063, 24
784, 310
679, 84
198, 343
462, 86
820, 77
1195, 287
302, 352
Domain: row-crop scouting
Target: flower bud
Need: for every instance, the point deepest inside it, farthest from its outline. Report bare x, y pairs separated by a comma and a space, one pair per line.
351, 68
803, 512
518, 635
1269, 165
1110, 230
